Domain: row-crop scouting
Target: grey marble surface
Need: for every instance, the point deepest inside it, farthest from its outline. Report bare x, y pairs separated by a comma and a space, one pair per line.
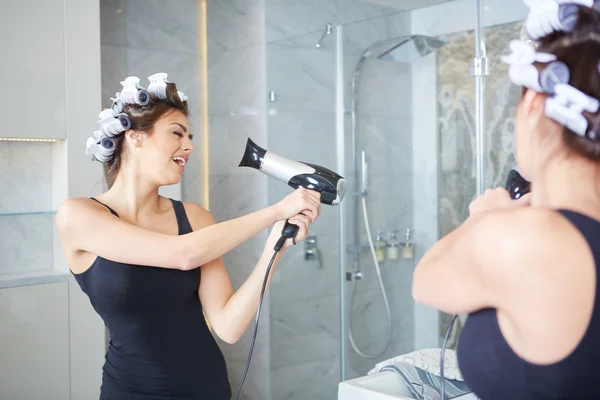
18, 279
456, 121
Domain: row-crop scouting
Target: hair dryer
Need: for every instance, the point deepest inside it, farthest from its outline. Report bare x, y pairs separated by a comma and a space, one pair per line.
296, 174
516, 185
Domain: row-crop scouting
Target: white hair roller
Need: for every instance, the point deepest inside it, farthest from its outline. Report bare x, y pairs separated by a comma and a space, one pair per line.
133, 93
158, 85
547, 16
102, 149
182, 96
111, 124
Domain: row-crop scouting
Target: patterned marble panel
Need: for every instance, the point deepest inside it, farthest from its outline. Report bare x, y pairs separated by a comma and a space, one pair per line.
165, 26
26, 176
235, 24
457, 124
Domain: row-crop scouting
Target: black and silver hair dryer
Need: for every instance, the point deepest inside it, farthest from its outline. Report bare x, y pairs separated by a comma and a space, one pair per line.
296, 174
516, 185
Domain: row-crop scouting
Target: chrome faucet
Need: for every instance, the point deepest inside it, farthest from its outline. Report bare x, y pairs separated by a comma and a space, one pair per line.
311, 251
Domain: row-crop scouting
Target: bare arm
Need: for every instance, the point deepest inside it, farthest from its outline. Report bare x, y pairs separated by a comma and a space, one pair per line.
230, 313
86, 226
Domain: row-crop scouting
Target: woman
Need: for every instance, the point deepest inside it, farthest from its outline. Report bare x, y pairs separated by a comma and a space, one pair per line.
152, 266
526, 271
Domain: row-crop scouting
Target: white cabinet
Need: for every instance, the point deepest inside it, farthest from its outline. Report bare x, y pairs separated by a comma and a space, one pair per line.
34, 342
32, 69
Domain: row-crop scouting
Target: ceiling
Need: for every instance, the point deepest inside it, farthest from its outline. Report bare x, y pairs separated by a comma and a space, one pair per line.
403, 5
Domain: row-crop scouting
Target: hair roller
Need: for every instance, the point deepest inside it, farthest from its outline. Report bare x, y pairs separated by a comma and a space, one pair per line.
555, 73
115, 124
133, 93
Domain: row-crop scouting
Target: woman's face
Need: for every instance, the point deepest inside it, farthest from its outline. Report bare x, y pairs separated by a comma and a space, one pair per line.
161, 156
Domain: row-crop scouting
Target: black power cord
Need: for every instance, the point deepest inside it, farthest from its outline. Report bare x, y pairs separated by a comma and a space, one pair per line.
289, 232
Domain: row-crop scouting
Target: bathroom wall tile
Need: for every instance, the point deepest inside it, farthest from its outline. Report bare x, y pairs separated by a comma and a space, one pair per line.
349, 11
160, 26
235, 24
225, 193
304, 330
228, 136
236, 81
316, 380
114, 70
361, 35
298, 279
26, 176
113, 23
459, 16
288, 18
313, 70
395, 101
26, 243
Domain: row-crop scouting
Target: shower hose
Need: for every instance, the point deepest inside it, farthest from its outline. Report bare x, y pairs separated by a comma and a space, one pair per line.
381, 286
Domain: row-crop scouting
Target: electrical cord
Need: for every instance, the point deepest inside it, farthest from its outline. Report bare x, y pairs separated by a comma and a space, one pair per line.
443, 380
289, 232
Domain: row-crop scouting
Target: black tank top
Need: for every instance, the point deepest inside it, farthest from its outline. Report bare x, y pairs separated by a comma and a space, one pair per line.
160, 346
493, 371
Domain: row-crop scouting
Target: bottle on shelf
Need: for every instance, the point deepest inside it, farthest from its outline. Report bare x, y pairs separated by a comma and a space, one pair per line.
393, 249
380, 246
408, 249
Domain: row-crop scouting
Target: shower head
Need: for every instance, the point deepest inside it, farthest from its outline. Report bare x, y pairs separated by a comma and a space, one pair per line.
405, 49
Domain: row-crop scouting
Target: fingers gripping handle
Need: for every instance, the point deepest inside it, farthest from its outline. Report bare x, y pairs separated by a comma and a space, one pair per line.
289, 232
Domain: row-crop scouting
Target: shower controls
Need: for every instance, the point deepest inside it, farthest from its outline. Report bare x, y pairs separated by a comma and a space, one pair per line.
354, 276
311, 251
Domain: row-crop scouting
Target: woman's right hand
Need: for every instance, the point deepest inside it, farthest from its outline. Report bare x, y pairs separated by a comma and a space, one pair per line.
301, 201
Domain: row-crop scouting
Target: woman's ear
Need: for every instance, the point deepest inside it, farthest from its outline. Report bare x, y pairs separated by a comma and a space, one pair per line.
134, 137
533, 104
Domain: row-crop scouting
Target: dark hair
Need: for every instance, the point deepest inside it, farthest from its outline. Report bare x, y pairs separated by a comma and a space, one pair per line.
143, 119
580, 50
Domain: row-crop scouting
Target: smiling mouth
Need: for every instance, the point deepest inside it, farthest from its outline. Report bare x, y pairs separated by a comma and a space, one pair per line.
180, 161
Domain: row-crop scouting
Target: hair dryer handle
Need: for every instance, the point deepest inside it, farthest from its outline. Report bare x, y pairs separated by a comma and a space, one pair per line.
289, 231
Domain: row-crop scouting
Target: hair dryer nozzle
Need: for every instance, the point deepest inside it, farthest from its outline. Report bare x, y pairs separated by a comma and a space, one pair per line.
253, 156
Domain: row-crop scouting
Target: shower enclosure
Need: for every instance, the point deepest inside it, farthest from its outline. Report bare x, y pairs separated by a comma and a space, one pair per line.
413, 106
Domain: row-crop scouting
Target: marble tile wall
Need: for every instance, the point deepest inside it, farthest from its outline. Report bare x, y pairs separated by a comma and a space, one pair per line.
457, 147
26, 241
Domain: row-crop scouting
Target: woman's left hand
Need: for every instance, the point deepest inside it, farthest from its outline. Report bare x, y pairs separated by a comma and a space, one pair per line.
496, 199
301, 220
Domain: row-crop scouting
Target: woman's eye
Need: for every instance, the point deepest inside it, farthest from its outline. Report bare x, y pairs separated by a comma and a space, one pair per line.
178, 134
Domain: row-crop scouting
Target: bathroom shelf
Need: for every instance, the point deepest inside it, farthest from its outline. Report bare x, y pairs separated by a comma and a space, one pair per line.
13, 214
30, 278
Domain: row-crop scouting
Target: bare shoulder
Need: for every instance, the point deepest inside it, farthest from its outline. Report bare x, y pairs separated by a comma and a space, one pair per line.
539, 245
198, 216
74, 209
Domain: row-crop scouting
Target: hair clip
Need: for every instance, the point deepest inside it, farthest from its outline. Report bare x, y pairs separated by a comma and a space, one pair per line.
117, 105
133, 93
111, 124
158, 85
102, 149
566, 107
